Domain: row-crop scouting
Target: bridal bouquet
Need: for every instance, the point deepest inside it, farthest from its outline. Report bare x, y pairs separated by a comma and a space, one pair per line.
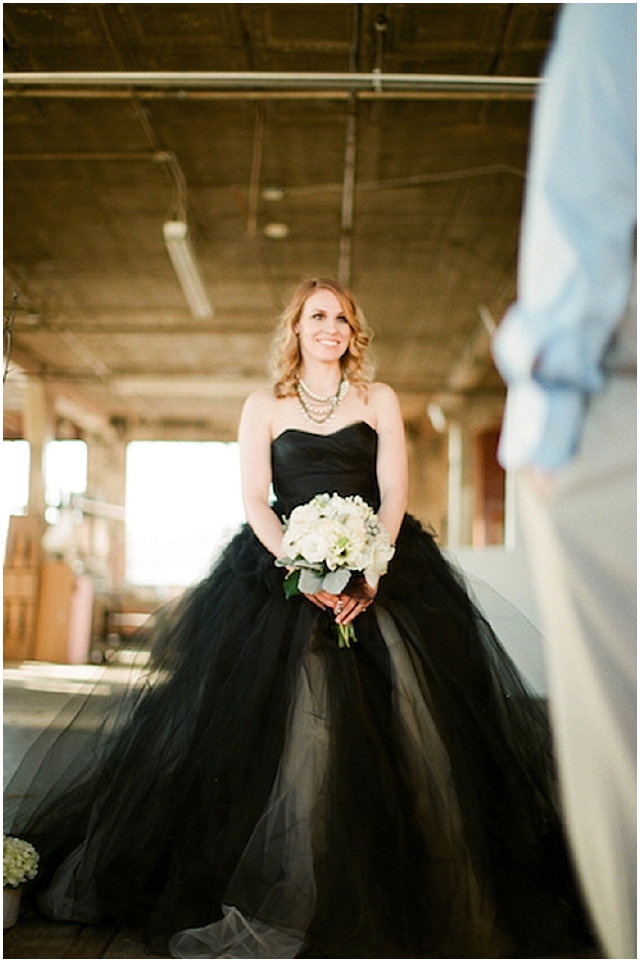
326, 541
19, 861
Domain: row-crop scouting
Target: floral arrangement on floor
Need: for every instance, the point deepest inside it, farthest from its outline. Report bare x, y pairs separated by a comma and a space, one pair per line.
329, 539
19, 861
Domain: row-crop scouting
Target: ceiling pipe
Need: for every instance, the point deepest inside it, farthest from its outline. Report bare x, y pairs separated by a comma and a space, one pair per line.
348, 193
375, 83
349, 171
182, 95
390, 183
254, 177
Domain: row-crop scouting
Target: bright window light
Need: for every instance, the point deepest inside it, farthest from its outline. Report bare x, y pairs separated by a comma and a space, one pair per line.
15, 477
65, 466
183, 504
65, 474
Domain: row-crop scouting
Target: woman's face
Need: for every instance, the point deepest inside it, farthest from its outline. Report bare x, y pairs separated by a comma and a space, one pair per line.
323, 329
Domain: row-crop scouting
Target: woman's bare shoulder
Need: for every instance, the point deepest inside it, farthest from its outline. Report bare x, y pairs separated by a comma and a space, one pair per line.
257, 411
381, 394
260, 401
386, 405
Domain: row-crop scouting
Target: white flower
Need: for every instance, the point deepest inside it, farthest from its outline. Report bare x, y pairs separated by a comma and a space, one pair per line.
313, 546
325, 541
380, 555
20, 861
335, 534
303, 513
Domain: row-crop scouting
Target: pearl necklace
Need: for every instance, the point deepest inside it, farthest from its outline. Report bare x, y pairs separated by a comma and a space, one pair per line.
316, 408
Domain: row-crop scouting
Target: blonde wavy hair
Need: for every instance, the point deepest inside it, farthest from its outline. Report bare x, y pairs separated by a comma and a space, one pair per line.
285, 354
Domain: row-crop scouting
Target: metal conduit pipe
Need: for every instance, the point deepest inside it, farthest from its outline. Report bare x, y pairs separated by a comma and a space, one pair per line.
390, 183
182, 95
349, 173
275, 81
348, 188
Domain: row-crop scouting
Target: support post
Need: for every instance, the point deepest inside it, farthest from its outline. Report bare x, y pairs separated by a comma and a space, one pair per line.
454, 488
39, 431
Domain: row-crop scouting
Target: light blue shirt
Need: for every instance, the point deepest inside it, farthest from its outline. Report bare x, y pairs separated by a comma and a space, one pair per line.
577, 239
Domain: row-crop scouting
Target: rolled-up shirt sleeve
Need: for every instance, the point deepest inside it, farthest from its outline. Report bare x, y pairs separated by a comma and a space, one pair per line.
577, 237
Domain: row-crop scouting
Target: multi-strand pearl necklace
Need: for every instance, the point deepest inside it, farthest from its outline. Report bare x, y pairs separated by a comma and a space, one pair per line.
316, 408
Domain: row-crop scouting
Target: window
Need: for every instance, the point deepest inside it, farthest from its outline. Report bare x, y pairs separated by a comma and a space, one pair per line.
65, 466
65, 474
15, 481
183, 503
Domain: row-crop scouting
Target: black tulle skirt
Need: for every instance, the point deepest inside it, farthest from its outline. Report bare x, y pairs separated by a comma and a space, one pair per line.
266, 794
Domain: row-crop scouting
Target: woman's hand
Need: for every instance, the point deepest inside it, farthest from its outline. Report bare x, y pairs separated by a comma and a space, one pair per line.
346, 606
322, 599
349, 605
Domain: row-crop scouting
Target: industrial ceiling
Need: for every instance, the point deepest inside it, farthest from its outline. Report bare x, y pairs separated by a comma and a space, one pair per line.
385, 144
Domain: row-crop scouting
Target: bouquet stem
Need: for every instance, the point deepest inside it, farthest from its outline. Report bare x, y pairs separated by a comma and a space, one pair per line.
346, 635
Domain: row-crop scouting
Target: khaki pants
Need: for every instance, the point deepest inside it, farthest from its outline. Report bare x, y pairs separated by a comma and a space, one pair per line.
582, 547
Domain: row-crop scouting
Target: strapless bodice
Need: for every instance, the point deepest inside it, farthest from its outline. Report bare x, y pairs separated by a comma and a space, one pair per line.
305, 464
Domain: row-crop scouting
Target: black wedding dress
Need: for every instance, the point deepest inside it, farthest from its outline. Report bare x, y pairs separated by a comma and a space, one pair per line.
269, 795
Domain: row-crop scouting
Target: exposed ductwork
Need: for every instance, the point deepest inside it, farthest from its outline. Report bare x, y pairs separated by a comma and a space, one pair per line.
388, 144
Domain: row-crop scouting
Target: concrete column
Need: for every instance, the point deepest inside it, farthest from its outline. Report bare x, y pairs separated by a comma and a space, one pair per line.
106, 484
460, 486
454, 485
428, 479
39, 427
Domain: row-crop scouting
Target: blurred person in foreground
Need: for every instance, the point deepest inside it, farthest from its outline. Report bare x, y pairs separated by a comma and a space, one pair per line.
567, 350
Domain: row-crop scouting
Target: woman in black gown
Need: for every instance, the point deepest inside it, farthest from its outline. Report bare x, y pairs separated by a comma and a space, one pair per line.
271, 795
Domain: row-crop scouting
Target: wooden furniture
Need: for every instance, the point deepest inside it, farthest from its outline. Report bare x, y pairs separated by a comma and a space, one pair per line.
23, 559
63, 625
47, 607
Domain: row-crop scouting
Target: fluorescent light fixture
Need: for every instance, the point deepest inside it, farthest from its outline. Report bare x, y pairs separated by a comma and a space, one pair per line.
186, 267
272, 192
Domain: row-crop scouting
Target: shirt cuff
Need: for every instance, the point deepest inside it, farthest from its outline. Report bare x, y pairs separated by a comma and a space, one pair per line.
541, 427
512, 348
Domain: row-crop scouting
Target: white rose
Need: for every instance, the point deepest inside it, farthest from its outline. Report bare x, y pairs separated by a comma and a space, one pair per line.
380, 554
313, 547
290, 541
355, 529
303, 514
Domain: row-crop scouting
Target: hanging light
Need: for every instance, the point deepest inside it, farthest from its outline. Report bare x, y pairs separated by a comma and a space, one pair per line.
186, 267
276, 231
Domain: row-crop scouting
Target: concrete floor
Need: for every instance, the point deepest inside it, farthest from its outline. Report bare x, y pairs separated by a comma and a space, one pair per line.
36, 694
38, 697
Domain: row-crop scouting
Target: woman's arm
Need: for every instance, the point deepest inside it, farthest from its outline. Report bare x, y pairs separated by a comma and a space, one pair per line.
391, 466
254, 437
